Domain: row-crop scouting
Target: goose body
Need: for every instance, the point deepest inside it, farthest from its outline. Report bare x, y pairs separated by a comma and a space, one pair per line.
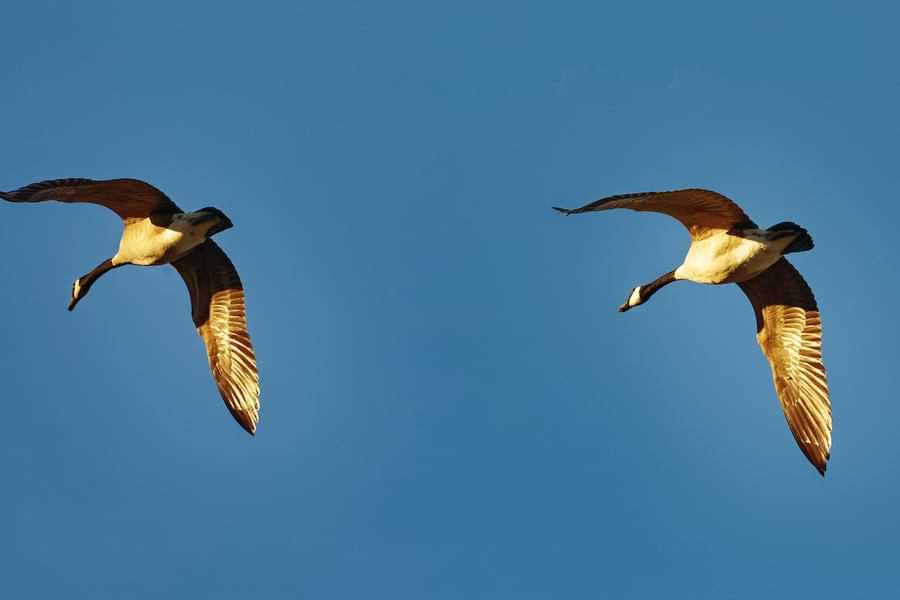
727, 247
732, 257
145, 242
157, 232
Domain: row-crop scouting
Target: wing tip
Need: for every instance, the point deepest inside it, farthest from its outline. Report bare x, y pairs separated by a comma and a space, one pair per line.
820, 462
825, 459
248, 423
247, 420
565, 211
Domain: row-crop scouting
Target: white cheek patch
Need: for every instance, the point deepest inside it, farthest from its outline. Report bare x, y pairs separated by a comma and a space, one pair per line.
635, 297
76, 288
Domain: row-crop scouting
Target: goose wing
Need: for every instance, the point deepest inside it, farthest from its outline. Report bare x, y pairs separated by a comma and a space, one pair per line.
217, 307
702, 212
128, 198
789, 332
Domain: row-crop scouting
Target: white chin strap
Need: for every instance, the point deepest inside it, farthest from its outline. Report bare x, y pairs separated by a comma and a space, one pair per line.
635, 297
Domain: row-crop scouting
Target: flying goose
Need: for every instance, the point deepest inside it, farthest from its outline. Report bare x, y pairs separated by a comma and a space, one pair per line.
157, 232
727, 247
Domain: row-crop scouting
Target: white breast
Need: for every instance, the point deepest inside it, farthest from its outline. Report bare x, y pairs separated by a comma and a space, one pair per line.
145, 243
724, 258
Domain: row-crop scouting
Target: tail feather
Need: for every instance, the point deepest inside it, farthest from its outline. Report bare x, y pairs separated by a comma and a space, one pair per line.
803, 241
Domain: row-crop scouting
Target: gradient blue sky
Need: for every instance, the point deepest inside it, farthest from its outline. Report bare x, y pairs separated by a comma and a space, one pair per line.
451, 405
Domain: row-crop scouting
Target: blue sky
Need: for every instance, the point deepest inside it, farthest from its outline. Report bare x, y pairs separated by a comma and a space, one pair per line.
451, 405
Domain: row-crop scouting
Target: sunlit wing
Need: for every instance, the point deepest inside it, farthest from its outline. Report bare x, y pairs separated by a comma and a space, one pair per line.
789, 332
217, 307
128, 198
702, 212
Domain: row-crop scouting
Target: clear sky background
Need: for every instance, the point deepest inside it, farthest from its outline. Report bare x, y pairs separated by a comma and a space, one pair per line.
451, 405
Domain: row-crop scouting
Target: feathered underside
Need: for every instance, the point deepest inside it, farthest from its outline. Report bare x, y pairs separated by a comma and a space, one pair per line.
789, 332
129, 198
217, 307
702, 212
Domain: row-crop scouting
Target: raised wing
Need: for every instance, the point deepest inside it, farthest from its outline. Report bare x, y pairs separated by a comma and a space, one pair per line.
789, 332
217, 307
702, 212
128, 198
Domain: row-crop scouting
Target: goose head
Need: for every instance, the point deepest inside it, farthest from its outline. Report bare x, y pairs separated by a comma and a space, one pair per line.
634, 299
217, 220
78, 292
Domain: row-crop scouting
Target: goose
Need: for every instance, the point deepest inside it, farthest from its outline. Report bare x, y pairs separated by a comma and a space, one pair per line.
728, 247
157, 232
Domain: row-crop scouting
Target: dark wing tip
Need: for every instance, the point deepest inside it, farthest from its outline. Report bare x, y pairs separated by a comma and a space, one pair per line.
245, 420
565, 211
824, 463
27, 193
820, 462
13, 196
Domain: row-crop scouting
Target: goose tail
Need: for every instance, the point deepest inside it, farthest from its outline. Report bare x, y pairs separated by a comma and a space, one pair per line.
802, 243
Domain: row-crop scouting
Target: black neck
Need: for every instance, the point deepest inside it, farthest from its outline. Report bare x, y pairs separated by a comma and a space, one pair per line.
88, 280
83, 284
651, 288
